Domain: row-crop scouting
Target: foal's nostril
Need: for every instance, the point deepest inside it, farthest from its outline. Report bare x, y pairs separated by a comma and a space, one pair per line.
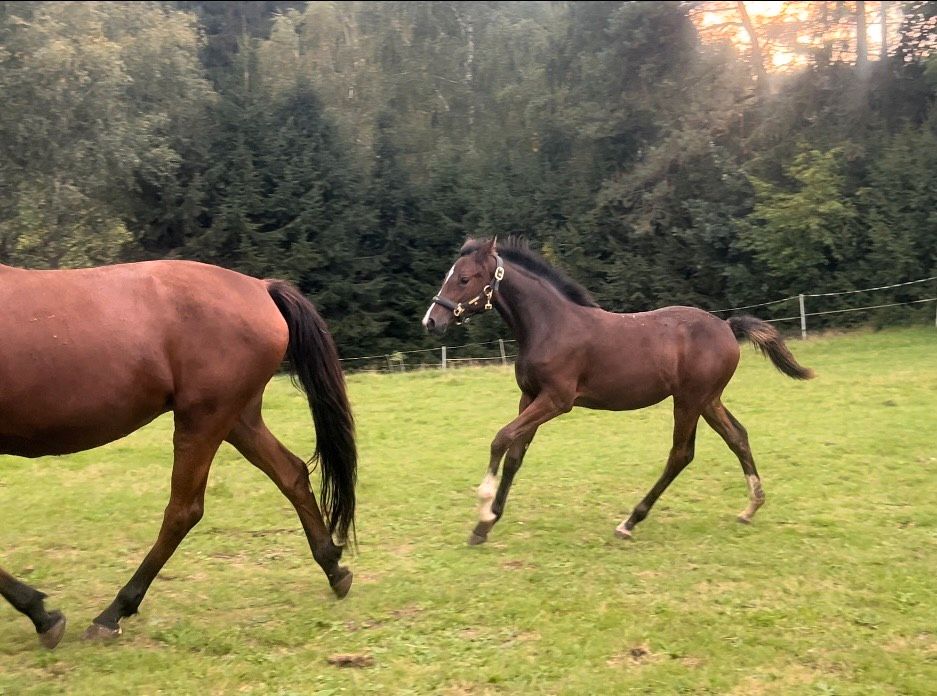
429, 324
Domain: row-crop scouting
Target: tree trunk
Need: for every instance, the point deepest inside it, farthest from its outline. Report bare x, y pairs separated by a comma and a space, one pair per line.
468, 31
758, 60
826, 40
884, 51
862, 39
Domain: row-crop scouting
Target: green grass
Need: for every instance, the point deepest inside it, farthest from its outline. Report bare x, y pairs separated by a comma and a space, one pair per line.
831, 591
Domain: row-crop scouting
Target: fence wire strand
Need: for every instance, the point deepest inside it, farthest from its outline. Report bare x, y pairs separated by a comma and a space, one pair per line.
883, 287
751, 306
383, 356
859, 309
824, 294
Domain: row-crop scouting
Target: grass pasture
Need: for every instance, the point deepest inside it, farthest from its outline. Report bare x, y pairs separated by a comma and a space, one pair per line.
831, 591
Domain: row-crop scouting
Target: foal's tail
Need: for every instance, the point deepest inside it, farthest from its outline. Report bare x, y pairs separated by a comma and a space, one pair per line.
314, 362
767, 339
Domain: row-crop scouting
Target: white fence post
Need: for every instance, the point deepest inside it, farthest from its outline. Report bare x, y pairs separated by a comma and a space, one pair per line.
504, 360
803, 319
444, 357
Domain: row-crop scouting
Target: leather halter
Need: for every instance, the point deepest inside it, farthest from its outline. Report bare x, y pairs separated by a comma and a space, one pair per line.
458, 308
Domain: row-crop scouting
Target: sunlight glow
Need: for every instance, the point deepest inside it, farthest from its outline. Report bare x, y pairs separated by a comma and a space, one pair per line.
789, 32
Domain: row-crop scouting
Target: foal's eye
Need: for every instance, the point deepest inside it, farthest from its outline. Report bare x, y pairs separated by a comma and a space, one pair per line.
464, 280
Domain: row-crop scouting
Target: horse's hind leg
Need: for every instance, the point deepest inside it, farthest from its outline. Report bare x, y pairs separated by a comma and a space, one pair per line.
49, 625
195, 441
258, 445
681, 454
736, 437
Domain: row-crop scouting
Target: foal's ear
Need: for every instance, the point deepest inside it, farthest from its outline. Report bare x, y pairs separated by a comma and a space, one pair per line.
488, 248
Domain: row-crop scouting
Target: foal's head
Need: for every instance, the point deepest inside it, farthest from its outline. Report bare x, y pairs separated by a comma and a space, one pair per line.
468, 287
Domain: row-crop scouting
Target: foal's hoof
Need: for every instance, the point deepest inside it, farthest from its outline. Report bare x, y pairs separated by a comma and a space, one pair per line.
341, 586
744, 519
477, 539
52, 635
479, 535
97, 632
622, 533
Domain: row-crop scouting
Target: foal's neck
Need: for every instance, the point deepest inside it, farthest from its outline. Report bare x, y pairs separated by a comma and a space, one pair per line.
529, 305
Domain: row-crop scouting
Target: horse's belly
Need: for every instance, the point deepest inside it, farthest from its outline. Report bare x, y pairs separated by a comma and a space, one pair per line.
626, 386
74, 405
621, 401
74, 431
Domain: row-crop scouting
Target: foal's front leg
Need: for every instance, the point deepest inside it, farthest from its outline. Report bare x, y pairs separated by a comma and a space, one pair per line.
517, 433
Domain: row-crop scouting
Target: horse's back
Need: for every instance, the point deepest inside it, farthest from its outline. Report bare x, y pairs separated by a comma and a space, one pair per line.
639, 359
90, 355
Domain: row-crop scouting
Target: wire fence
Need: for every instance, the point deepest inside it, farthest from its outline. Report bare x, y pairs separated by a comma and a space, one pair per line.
445, 357
802, 301
497, 351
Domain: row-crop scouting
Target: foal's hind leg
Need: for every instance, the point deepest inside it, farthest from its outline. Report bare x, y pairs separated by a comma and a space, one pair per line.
49, 625
195, 442
258, 445
736, 437
681, 454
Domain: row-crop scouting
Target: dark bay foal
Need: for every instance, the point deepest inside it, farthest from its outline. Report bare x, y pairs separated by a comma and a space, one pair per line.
574, 353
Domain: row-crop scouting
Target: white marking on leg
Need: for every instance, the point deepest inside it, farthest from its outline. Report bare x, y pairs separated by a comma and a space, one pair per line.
756, 496
433, 304
622, 532
754, 488
486, 495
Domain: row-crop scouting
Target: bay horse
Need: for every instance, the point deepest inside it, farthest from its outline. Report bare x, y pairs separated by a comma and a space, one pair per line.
88, 356
574, 353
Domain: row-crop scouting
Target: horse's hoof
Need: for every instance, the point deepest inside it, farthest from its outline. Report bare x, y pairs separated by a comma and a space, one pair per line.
341, 587
100, 633
476, 539
52, 635
623, 533
743, 519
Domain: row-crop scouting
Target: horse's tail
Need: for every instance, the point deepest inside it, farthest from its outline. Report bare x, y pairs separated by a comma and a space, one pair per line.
314, 362
767, 339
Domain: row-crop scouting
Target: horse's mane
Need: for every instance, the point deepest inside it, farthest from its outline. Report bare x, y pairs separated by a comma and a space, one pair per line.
517, 250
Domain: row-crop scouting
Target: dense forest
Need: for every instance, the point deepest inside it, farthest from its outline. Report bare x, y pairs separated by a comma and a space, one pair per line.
661, 153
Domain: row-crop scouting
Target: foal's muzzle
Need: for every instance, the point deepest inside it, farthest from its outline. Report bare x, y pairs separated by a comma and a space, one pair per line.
434, 328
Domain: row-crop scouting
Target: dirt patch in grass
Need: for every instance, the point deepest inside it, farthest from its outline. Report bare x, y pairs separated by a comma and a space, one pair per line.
466, 689
518, 565
358, 661
922, 644
634, 656
779, 680
394, 616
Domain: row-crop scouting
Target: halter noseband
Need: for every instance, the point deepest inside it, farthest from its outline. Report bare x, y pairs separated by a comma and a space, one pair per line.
458, 309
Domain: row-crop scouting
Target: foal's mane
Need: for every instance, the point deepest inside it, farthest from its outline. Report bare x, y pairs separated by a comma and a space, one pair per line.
517, 250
